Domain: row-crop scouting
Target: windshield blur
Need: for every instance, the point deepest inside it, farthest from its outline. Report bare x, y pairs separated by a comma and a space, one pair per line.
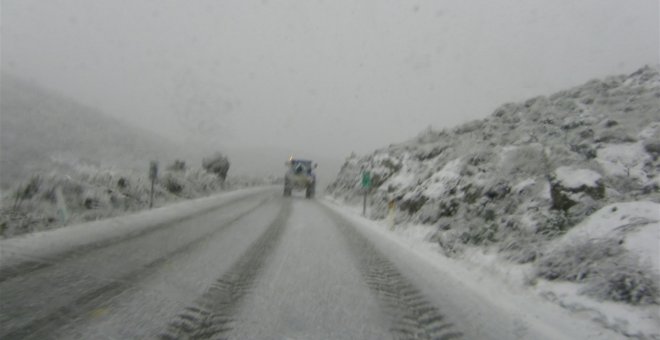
453, 169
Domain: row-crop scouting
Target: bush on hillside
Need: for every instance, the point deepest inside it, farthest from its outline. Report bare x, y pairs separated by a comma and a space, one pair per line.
172, 184
607, 269
178, 166
217, 164
577, 261
627, 282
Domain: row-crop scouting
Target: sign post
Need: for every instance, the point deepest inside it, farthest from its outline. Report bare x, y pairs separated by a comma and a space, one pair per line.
366, 185
391, 211
61, 205
153, 174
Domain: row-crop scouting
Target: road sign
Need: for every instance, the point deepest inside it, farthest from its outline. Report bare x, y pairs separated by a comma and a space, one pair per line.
366, 184
366, 179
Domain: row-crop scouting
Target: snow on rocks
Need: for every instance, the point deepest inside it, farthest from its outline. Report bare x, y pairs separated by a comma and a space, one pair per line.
571, 186
523, 185
576, 178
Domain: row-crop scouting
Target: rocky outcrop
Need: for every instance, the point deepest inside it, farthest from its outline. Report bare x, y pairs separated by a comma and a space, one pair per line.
529, 171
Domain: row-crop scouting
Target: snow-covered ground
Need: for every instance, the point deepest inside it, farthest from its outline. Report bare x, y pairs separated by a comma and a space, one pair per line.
514, 287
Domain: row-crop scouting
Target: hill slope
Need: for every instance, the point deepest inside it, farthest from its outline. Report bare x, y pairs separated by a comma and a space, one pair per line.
554, 159
566, 184
64, 163
41, 131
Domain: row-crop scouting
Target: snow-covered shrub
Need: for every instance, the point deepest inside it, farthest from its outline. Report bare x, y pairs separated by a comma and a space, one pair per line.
32, 188
443, 182
429, 153
471, 193
479, 232
122, 183
615, 135
429, 136
413, 204
586, 150
608, 270
469, 127
217, 164
172, 184
91, 202
552, 223
428, 213
202, 181
177, 165
578, 261
624, 281
384, 166
521, 247
653, 148
497, 190
448, 208
449, 240
528, 159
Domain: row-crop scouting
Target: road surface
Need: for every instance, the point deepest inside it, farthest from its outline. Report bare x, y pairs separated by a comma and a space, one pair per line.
260, 266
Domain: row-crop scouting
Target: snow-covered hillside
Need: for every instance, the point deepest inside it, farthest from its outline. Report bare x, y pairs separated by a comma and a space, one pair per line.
566, 184
50, 142
43, 131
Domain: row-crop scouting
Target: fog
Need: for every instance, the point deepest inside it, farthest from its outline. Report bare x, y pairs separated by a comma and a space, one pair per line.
318, 79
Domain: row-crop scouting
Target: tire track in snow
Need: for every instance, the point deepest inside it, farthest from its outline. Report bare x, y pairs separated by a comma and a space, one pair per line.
212, 315
410, 314
44, 327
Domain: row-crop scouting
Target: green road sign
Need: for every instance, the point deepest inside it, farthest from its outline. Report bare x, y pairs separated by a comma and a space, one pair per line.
366, 179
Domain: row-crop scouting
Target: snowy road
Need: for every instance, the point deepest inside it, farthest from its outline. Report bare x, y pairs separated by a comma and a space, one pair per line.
259, 266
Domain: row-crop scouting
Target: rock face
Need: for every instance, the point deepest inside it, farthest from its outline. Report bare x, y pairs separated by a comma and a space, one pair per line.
530, 171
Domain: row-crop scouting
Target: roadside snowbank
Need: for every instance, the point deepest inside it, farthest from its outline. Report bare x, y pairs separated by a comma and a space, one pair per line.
43, 245
515, 287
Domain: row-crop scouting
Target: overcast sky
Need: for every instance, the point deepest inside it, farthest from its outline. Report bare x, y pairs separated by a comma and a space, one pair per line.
320, 78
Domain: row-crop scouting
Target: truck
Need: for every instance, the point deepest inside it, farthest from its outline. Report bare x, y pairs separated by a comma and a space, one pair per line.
300, 176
